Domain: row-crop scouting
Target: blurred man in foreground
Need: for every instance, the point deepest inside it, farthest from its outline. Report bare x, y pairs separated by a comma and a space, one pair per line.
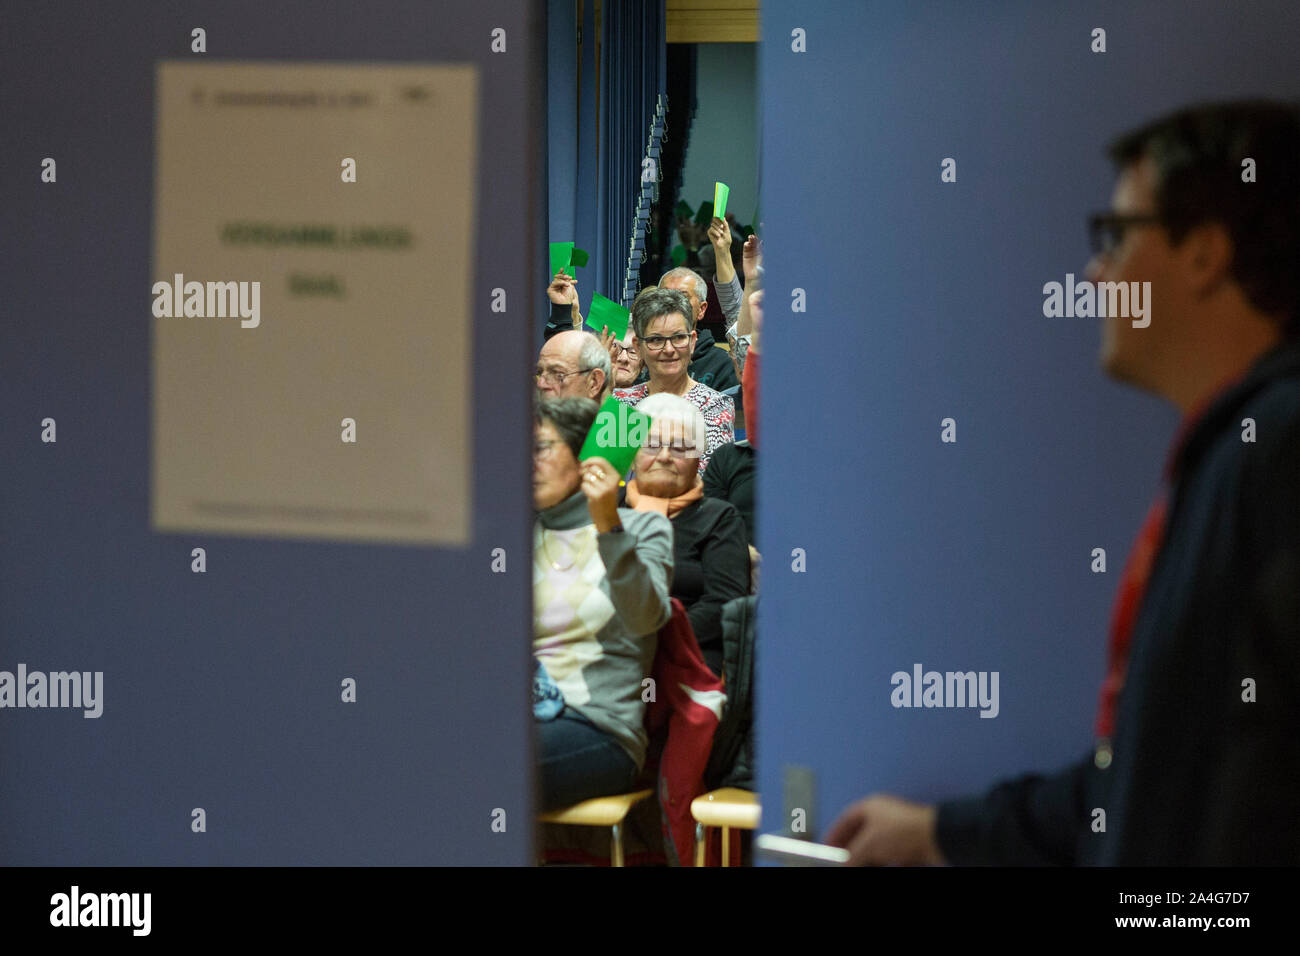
1195, 761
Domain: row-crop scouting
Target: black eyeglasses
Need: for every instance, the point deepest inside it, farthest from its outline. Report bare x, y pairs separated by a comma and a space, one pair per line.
1106, 229
656, 343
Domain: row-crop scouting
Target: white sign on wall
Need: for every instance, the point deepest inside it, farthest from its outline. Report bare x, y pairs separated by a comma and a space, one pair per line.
314, 230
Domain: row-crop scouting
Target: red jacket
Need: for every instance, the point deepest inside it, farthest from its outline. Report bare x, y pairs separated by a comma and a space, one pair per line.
688, 699
684, 715
749, 395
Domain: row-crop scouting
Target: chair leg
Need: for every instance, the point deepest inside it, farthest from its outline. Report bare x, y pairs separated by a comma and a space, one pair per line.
616, 848
700, 844
726, 846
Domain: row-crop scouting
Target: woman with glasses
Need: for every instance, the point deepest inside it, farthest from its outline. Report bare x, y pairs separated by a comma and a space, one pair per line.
664, 327
600, 596
710, 544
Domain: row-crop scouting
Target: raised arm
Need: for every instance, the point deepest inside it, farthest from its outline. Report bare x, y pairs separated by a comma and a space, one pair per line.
638, 560
740, 334
563, 290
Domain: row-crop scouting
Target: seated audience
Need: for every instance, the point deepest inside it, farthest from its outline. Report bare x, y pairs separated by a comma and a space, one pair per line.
665, 335
600, 595
710, 550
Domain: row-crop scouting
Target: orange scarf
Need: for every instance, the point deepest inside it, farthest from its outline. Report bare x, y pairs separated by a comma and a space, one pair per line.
668, 507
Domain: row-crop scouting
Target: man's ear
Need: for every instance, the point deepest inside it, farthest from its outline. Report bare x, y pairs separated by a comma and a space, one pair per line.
601, 390
1207, 252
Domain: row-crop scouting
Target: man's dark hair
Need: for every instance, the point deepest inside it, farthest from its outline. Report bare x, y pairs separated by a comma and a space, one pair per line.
652, 303
572, 418
1197, 154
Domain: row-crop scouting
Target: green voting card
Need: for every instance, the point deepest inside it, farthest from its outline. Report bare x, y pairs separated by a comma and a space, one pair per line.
721, 193
604, 312
616, 435
561, 254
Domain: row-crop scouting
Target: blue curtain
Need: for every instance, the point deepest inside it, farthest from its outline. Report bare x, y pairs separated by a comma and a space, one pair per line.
595, 156
561, 119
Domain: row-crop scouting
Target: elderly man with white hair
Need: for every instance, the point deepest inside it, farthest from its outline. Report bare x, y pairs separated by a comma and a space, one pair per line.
574, 364
710, 544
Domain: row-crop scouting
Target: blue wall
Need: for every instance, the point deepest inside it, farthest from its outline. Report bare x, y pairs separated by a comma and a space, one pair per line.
724, 134
924, 302
222, 689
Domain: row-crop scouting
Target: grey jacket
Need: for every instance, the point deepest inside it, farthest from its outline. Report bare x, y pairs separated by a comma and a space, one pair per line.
638, 564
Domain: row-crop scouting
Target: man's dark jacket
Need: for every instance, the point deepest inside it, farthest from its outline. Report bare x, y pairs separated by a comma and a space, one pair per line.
711, 365
560, 320
1200, 774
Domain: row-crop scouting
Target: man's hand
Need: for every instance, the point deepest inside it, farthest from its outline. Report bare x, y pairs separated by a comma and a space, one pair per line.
882, 830
563, 289
720, 237
600, 485
751, 259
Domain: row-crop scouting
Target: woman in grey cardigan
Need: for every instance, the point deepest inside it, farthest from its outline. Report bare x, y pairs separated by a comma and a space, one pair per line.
601, 577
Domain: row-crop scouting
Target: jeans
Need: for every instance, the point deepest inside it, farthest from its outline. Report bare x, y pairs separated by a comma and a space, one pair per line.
578, 761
